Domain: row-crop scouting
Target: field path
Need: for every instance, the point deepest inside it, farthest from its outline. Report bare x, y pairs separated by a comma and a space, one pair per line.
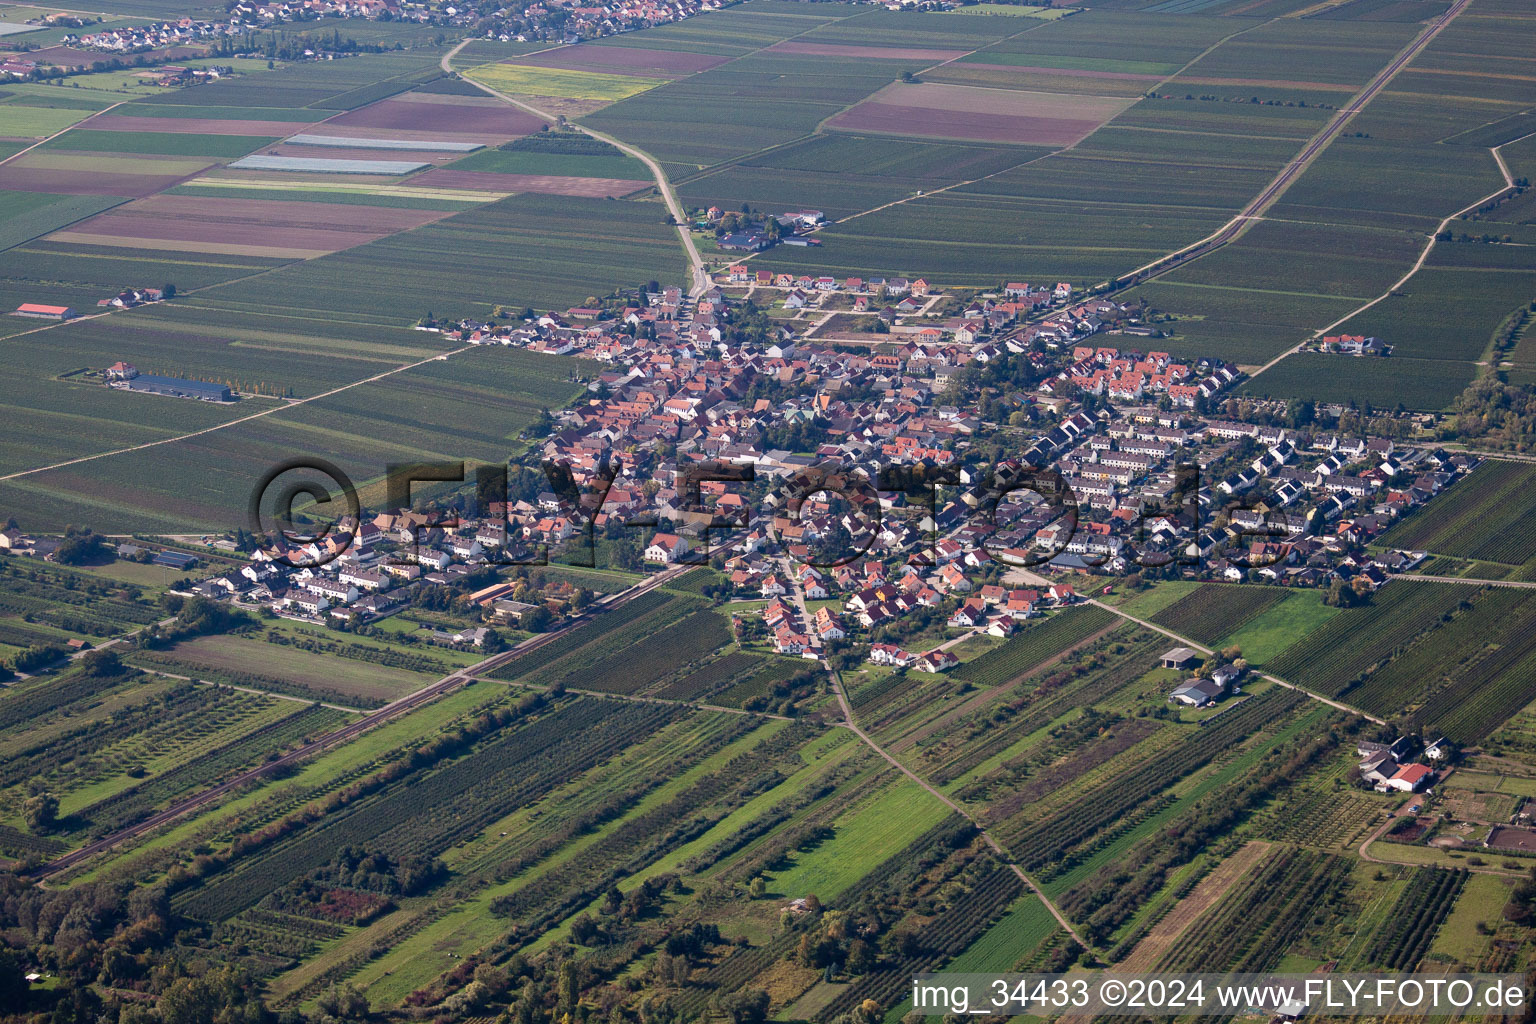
1038, 580
700, 278
1160, 939
243, 419
1418, 264
1294, 168
61, 131
1419, 578
852, 726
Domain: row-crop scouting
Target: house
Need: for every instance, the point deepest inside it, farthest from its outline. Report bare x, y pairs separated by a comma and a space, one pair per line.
1198, 693
1179, 658
935, 661
334, 591
1440, 750
1411, 778
666, 548
889, 654
969, 615
307, 602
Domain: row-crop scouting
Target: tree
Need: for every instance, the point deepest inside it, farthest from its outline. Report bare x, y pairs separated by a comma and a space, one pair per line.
168, 290
759, 887
748, 1006
13, 981
536, 620
348, 1003
102, 663
81, 545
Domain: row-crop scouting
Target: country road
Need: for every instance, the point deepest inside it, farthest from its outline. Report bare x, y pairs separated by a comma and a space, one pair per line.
1299, 163
695, 264
1418, 264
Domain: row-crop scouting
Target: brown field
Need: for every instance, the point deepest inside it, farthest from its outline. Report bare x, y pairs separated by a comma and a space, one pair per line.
216, 224
595, 188
191, 125
1502, 837
85, 183
989, 115
1212, 887
865, 52
281, 252
438, 120
68, 56
622, 60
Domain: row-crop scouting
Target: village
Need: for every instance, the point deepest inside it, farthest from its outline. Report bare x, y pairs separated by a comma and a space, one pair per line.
966, 399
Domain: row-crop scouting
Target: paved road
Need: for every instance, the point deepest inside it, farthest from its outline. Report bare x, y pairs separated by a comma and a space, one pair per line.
388, 712
695, 263
1291, 171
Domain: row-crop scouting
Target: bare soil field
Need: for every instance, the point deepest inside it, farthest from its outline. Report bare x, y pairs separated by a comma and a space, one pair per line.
595, 188
1502, 837
439, 120
167, 245
84, 183
987, 115
216, 224
865, 52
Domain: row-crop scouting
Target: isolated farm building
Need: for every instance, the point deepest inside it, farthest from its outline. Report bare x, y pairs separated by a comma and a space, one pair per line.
1198, 693
122, 371
176, 387
1179, 658
43, 312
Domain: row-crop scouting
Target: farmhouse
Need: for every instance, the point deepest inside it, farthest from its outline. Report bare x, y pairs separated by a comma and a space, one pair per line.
1198, 693
1411, 778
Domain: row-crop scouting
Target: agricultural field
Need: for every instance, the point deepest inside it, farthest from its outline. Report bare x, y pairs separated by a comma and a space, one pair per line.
1489, 519
1212, 613
471, 406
